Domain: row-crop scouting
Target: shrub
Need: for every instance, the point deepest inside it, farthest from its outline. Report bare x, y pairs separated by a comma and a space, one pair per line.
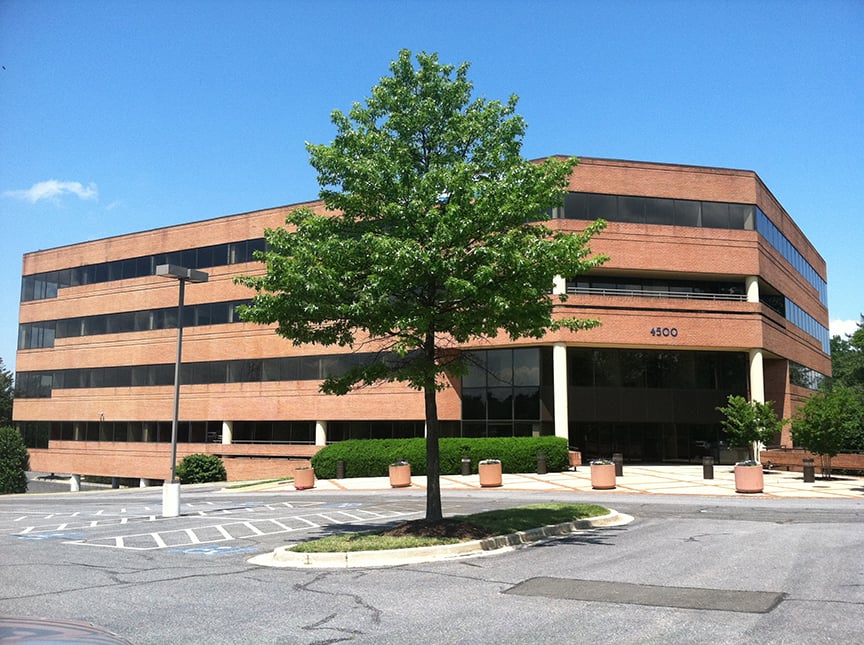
14, 462
201, 468
372, 457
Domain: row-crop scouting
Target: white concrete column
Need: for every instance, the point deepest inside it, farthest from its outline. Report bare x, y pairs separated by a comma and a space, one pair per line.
757, 376
559, 371
559, 285
757, 388
227, 432
751, 283
320, 433
74, 483
143, 482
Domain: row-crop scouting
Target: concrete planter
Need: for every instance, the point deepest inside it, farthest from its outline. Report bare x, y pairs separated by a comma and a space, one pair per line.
304, 478
400, 475
575, 457
749, 479
490, 474
602, 476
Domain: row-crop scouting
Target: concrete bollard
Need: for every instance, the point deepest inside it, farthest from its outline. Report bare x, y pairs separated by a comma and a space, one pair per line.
618, 460
541, 463
809, 471
707, 467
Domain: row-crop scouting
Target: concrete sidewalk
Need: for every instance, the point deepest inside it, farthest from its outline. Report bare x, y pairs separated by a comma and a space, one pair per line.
648, 480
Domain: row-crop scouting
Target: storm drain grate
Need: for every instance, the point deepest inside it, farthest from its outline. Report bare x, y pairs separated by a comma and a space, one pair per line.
752, 602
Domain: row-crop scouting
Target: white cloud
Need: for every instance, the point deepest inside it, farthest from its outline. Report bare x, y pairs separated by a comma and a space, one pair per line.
53, 189
843, 328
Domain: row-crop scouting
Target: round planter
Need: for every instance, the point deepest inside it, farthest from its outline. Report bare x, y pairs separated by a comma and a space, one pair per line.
602, 476
749, 479
304, 478
490, 475
575, 457
400, 475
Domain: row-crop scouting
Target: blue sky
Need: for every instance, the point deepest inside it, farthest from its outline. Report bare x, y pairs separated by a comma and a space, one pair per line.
120, 116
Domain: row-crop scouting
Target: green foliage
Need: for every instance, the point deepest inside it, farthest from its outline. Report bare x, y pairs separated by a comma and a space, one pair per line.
6, 395
428, 239
14, 462
747, 422
847, 359
372, 457
200, 468
830, 422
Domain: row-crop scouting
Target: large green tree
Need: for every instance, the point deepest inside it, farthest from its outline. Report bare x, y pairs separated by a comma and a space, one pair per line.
6, 395
847, 358
433, 237
831, 421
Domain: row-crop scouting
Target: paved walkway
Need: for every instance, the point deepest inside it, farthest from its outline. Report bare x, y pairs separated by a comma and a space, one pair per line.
649, 480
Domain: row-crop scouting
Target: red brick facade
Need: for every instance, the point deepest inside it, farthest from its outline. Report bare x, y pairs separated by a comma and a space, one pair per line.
637, 249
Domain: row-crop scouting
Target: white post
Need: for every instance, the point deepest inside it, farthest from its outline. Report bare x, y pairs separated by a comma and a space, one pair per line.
559, 370
320, 433
143, 482
74, 483
757, 388
752, 286
227, 432
171, 499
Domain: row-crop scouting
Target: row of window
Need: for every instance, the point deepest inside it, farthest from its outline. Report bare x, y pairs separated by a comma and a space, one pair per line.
299, 368
693, 213
806, 376
45, 285
40, 335
781, 243
808, 324
674, 288
657, 210
656, 369
697, 289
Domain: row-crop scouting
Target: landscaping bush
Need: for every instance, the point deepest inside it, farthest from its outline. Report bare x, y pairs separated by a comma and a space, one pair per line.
200, 469
14, 462
372, 457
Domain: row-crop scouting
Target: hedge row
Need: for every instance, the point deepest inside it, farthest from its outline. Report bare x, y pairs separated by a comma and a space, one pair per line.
372, 457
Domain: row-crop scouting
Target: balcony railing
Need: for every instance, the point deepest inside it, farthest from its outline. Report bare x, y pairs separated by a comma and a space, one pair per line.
640, 293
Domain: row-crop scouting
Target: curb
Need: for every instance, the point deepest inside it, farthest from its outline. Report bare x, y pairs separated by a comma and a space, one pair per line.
283, 558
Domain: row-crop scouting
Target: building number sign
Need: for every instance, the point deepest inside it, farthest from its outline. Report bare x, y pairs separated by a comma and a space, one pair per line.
664, 331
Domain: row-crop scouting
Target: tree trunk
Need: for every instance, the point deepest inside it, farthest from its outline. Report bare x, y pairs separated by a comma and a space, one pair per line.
433, 455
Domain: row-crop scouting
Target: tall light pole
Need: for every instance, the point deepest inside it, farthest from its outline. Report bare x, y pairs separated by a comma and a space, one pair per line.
171, 490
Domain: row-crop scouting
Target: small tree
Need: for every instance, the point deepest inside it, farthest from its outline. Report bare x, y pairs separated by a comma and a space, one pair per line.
14, 462
434, 238
829, 422
748, 423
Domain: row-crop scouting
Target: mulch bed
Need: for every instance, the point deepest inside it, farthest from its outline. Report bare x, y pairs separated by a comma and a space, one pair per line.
445, 528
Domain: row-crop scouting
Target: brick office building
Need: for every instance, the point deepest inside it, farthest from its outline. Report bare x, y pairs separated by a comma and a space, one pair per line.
711, 290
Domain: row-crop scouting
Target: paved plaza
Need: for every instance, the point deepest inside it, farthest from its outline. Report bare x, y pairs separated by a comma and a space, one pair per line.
653, 480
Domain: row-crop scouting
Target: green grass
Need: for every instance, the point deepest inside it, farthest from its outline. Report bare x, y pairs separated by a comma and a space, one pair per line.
500, 522
523, 518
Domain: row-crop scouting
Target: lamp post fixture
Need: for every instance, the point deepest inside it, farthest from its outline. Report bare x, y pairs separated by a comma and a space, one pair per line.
171, 490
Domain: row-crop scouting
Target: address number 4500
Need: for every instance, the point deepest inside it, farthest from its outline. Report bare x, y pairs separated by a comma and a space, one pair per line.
664, 331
